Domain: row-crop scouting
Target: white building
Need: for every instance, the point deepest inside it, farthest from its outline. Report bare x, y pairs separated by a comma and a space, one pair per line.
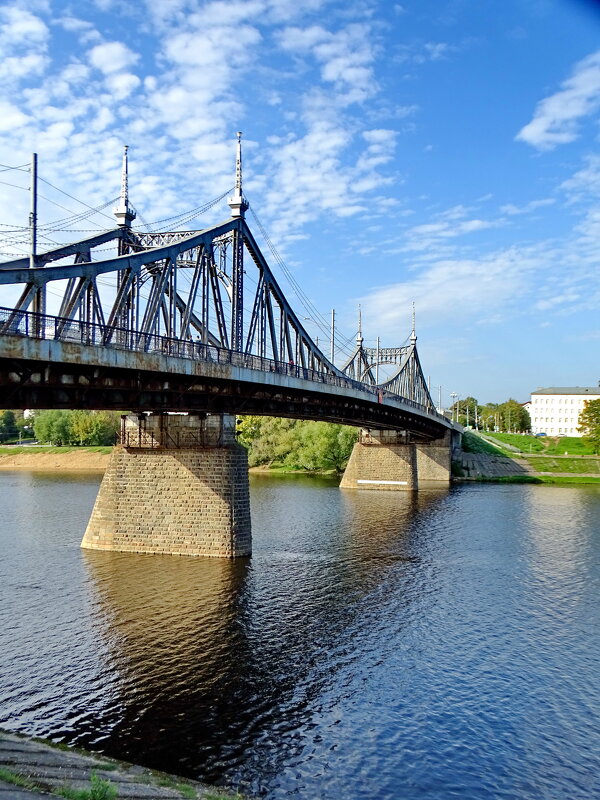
556, 410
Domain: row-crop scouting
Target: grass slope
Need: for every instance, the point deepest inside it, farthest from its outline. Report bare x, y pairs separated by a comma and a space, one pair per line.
527, 444
574, 465
471, 443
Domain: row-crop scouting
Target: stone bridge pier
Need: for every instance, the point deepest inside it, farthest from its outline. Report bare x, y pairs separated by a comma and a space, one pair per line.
175, 484
387, 460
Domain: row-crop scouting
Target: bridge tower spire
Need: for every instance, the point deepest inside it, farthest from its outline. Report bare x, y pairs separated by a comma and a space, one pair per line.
238, 203
124, 212
413, 335
359, 336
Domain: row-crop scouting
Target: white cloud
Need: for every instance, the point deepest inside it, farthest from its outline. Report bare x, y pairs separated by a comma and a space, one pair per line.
21, 27
555, 120
122, 85
11, 118
433, 237
345, 56
513, 210
17, 67
86, 33
112, 57
23, 44
585, 183
422, 52
450, 284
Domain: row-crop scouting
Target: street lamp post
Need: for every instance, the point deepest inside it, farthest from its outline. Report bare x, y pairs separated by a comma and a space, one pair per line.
453, 395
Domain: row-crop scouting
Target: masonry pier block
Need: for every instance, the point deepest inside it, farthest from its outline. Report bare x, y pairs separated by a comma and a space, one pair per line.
388, 461
434, 462
382, 460
176, 484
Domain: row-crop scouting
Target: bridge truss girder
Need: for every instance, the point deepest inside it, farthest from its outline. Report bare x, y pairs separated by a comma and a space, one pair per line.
407, 381
191, 284
188, 293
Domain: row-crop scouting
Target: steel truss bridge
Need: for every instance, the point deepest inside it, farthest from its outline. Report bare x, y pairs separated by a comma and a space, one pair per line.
188, 321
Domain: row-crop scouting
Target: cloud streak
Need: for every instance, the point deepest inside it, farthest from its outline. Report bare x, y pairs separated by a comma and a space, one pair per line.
556, 118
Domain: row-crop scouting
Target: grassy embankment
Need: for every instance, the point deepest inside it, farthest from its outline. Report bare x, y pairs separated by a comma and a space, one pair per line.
545, 445
544, 454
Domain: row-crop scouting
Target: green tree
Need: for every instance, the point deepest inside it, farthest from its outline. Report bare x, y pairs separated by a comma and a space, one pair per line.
465, 411
8, 425
513, 417
296, 444
93, 427
488, 415
53, 427
589, 424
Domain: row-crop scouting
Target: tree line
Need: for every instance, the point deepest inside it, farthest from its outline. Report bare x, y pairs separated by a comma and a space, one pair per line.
78, 427
296, 444
507, 417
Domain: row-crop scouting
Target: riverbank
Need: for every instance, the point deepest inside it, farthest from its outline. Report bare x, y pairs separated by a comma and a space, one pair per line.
526, 469
470, 467
55, 459
30, 768
95, 459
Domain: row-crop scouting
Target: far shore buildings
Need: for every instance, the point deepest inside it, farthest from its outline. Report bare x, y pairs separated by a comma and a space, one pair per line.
556, 410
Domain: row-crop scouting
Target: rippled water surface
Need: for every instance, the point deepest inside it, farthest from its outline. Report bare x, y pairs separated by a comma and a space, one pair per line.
377, 645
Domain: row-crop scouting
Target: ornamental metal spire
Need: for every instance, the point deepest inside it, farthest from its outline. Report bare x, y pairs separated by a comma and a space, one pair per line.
124, 212
238, 203
413, 336
359, 336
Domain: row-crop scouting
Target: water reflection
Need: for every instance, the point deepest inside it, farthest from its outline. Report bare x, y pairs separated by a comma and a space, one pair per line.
233, 651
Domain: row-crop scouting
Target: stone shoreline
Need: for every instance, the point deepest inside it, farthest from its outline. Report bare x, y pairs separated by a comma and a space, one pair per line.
33, 768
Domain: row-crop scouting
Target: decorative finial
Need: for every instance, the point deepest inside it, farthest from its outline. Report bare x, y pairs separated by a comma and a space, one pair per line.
124, 212
238, 203
359, 336
413, 336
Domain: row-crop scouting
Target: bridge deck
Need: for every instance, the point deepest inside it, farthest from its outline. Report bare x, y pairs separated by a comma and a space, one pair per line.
133, 372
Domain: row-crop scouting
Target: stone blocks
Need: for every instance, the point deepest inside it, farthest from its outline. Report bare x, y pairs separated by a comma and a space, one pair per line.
385, 461
192, 501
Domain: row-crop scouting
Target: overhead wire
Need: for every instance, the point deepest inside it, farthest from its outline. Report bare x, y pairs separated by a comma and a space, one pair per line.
343, 344
347, 345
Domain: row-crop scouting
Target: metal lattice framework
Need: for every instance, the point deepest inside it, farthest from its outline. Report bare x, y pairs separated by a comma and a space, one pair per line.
192, 288
195, 292
408, 379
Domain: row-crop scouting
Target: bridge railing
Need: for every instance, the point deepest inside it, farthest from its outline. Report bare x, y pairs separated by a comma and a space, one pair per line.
45, 326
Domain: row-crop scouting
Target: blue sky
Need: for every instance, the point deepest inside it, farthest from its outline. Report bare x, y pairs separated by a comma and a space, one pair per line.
437, 151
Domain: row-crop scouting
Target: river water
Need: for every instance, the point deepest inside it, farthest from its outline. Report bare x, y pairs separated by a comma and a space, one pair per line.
377, 645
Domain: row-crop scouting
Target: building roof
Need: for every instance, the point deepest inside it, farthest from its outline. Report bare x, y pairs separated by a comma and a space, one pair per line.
569, 390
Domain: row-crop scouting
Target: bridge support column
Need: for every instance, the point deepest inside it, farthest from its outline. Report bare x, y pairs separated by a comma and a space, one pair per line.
382, 460
433, 462
177, 485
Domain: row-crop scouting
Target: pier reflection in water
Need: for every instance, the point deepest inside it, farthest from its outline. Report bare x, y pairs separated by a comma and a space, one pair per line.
377, 645
231, 653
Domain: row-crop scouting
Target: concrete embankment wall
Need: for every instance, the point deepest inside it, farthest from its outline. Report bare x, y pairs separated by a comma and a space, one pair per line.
482, 465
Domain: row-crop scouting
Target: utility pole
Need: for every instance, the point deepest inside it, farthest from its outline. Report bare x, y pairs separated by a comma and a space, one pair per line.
332, 335
39, 297
440, 400
33, 213
453, 395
